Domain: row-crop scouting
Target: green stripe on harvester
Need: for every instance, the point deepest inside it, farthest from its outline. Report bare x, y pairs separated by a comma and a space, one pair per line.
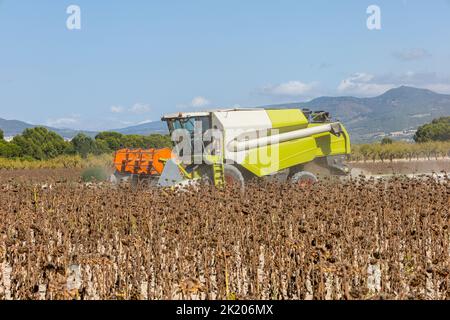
286, 118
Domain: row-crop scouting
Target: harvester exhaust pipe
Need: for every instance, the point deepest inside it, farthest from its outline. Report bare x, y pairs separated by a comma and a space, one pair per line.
242, 145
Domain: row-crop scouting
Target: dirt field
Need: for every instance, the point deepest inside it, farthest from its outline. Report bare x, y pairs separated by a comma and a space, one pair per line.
350, 240
400, 167
40, 175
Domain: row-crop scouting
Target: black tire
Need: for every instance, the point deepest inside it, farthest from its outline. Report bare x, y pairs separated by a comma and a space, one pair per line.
304, 178
206, 175
234, 176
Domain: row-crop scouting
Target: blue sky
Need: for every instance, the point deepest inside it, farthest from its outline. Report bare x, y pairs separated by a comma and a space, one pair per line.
133, 61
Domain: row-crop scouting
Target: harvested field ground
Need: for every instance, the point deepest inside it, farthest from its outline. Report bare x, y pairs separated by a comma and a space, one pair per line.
350, 240
400, 167
40, 175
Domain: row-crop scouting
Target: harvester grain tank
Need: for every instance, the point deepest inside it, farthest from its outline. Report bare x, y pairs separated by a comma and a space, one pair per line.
255, 143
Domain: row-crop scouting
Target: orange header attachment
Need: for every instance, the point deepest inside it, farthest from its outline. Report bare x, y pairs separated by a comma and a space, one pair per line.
141, 161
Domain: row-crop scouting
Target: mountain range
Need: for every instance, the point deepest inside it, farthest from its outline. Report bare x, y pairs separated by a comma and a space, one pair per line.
397, 113
12, 128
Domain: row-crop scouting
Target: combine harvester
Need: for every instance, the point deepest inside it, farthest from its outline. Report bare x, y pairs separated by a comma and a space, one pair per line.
298, 143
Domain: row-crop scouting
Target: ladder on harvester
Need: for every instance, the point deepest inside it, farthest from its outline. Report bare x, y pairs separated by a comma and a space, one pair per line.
218, 169
218, 173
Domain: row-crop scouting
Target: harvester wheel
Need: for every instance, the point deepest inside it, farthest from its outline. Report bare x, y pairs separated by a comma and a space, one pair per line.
304, 179
233, 176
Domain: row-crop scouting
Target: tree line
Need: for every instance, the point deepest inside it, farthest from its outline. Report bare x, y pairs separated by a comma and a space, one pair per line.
400, 150
432, 140
42, 144
437, 130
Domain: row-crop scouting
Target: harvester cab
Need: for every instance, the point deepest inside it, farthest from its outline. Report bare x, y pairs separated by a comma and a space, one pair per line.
235, 145
192, 127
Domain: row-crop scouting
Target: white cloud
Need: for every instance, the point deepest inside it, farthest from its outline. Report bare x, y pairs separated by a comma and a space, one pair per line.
412, 54
199, 102
439, 87
290, 89
144, 122
116, 109
365, 84
140, 108
61, 122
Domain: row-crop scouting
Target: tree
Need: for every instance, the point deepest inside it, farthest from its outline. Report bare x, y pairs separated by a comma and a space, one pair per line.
158, 141
386, 140
113, 139
40, 143
2, 136
133, 141
365, 151
102, 147
8, 149
116, 141
83, 145
437, 130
